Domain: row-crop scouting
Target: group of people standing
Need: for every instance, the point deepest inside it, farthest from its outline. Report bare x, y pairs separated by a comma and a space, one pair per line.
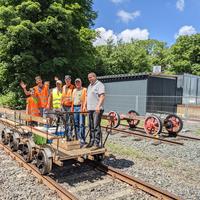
70, 98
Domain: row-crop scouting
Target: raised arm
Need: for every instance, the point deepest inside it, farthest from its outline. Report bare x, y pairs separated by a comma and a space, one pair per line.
23, 85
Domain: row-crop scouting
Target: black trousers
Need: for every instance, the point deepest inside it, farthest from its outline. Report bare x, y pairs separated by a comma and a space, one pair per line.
95, 126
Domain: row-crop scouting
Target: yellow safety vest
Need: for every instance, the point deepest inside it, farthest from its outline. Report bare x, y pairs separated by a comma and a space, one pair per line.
56, 98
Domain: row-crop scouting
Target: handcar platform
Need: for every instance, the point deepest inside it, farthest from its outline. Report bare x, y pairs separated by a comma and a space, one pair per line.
52, 148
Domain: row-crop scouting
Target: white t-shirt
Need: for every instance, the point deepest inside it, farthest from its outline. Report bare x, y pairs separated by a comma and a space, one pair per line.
93, 93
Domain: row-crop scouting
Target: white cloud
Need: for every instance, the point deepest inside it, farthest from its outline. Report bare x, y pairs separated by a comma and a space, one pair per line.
133, 34
118, 1
104, 36
128, 16
186, 30
125, 36
180, 4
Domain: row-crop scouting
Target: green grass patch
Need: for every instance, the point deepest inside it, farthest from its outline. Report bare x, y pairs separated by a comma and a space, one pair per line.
130, 152
197, 132
167, 163
104, 122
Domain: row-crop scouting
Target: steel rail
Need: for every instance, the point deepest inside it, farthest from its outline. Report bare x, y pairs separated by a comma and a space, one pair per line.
178, 135
188, 137
135, 182
147, 136
49, 182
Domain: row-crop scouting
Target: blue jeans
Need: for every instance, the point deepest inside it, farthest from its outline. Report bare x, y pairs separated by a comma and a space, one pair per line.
68, 121
79, 120
41, 111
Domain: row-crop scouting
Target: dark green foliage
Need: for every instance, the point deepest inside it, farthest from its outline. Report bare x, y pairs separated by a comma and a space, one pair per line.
44, 37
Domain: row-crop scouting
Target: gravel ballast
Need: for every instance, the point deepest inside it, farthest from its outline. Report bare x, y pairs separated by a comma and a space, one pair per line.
171, 167
17, 184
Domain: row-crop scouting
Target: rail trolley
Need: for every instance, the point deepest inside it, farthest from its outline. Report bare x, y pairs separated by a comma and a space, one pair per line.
44, 146
152, 124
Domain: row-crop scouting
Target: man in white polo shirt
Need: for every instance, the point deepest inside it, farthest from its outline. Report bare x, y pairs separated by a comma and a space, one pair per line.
95, 100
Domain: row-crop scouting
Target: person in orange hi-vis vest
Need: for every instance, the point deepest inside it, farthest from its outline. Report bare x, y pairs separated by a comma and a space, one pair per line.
66, 102
41, 92
32, 106
79, 105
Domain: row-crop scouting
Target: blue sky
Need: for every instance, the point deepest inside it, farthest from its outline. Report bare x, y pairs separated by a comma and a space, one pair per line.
141, 19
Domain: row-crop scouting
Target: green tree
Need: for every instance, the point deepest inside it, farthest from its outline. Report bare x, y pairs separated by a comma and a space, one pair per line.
184, 55
156, 50
45, 37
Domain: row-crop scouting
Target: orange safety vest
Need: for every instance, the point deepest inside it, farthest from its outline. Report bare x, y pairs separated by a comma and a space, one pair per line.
83, 95
32, 106
42, 95
66, 96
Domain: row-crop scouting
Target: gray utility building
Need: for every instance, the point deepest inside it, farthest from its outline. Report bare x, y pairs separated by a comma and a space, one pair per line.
140, 92
188, 86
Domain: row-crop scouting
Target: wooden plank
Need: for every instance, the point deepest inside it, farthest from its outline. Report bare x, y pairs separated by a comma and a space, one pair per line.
75, 153
23, 116
7, 121
29, 129
39, 132
67, 145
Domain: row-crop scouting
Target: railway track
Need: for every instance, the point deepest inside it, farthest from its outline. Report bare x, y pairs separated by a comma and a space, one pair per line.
135, 182
49, 182
140, 133
140, 129
64, 193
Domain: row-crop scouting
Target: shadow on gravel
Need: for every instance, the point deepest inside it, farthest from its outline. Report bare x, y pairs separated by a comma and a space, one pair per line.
73, 173
118, 163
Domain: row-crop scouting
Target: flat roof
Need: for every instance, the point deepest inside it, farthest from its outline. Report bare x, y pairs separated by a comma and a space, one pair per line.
137, 76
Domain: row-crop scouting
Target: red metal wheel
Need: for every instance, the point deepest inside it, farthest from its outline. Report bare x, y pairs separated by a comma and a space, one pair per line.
113, 119
133, 121
173, 124
152, 125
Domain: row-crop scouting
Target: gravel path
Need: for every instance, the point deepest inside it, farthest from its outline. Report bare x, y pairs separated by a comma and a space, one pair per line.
171, 167
17, 184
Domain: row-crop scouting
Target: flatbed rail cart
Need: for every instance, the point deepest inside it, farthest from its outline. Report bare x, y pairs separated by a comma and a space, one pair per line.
41, 145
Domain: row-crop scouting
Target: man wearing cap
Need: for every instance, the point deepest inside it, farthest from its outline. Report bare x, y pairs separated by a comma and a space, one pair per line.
95, 100
55, 96
78, 105
66, 102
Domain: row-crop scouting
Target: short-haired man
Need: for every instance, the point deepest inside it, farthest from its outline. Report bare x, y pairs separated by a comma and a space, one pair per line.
66, 102
95, 100
41, 92
78, 106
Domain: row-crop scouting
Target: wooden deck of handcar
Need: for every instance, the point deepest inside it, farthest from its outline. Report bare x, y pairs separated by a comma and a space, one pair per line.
61, 148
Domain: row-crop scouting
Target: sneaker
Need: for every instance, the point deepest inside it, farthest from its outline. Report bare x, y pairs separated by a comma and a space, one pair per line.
69, 139
82, 145
95, 147
90, 144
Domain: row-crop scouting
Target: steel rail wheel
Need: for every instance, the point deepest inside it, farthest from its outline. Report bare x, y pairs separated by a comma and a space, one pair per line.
27, 152
133, 121
113, 119
14, 143
4, 137
173, 124
44, 163
152, 125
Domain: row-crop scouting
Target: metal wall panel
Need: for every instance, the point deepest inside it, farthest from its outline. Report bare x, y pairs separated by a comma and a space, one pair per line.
191, 90
126, 95
161, 95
